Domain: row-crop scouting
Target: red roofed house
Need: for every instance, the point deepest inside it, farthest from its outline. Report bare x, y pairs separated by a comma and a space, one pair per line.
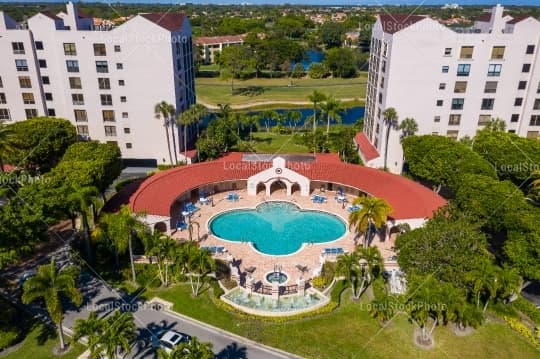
367, 152
210, 45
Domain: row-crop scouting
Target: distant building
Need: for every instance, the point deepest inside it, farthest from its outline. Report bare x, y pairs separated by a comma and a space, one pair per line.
451, 6
452, 81
210, 45
351, 39
104, 79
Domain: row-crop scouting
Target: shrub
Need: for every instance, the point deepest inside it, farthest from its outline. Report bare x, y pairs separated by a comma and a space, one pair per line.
522, 329
319, 282
317, 70
147, 275
298, 71
527, 308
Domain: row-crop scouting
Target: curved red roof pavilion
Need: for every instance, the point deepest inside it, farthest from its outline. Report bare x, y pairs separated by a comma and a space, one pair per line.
157, 194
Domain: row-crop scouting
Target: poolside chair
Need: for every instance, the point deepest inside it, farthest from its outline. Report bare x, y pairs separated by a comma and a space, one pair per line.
220, 250
181, 225
339, 250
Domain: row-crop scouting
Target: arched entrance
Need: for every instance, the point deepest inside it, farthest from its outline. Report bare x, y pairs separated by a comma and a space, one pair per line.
160, 227
295, 188
261, 187
278, 186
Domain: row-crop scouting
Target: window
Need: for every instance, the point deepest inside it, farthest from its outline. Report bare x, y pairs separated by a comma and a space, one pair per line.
511, 131
442, 86
77, 99
70, 49
82, 130
522, 85
21, 65
102, 66
25, 82
72, 65
1, 83
48, 96
515, 117
3, 98
121, 83
28, 98
530, 50
453, 134
494, 70
30, 113
119, 66
117, 48
45, 80
39, 45
454, 120
127, 130
4, 114
537, 89
490, 87
457, 103
383, 66
106, 100
437, 119
466, 52
129, 145
18, 48
448, 51
487, 104
382, 82
51, 112
536, 105
108, 115
99, 50
460, 86
518, 101
110, 131
75, 83
439, 102
123, 99
104, 83
463, 69
526, 68
445, 69
484, 120
124, 115
380, 97
42, 64
535, 120
80, 116
497, 52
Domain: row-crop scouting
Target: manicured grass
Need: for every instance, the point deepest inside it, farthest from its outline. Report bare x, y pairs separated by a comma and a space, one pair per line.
268, 142
215, 91
349, 332
39, 343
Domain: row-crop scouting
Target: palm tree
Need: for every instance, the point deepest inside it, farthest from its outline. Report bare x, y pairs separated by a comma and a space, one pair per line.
383, 308
171, 113
294, 118
52, 285
316, 98
496, 125
7, 143
119, 333
193, 349
483, 281
268, 116
250, 122
348, 266
83, 199
199, 264
162, 247
372, 259
408, 127
200, 113
374, 212
161, 112
91, 328
186, 119
390, 119
224, 110
333, 109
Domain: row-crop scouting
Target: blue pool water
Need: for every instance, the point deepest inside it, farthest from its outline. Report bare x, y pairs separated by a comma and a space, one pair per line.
277, 228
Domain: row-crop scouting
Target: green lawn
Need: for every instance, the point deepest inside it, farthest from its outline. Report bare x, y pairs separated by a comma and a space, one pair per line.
215, 91
349, 332
39, 344
268, 142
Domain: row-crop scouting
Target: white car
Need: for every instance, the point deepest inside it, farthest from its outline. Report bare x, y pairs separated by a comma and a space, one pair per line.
170, 339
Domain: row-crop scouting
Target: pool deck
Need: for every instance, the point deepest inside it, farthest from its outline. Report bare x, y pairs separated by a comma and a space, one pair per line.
309, 255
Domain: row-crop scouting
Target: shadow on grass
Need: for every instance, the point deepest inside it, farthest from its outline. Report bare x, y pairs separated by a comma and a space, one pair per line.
44, 334
249, 91
266, 140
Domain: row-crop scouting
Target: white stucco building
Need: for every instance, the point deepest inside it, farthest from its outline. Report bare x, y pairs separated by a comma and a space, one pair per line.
105, 80
452, 81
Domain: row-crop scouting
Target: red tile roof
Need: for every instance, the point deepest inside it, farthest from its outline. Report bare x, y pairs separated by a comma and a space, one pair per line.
171, 21
396, 22
189, 153
157, 194
208, 40
519, 18
8, 168
369, 152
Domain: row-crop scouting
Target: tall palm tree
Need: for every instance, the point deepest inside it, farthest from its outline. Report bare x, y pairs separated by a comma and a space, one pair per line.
348, 266
294, 118
250, 122
333, 109
374, 212
52, 285
267, 116
83, 200
390, 119
186, 119
316, 98
119, 333
171, 113
161, 112
199, 264
408, 127
200, 112
372, 259
91, 328
162, 247
7, 143
193, 349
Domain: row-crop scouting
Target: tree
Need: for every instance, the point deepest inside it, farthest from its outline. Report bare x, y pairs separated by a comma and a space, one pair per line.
162, 111
333, 109
7, 143
52, 286
189, 350
295, 117
390, 119
82, 200
162, 247
120, 332
332, 34
317, 70
373, 212
267, 116
495, 125
298, 71
236, 61
199, 264
408, 127
91, 328
383, 308
316, 98
199, 112
348, 266
186, 119
341, 62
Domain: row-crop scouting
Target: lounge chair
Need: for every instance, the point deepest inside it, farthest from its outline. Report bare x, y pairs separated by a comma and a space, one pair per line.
220, 250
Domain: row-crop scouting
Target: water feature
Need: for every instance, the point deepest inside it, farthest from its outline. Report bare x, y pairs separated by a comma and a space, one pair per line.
311, 57
276, 277
350, 116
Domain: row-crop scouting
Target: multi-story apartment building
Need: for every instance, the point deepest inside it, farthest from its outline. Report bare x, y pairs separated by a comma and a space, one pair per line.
452, 81
209, 46
105, 80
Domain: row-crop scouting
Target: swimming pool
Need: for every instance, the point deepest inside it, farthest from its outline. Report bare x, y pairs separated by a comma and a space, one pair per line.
277, 228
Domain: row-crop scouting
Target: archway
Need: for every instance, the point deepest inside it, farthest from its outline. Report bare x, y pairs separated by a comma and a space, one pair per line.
160, 227
261, 187
277, 186
295, 188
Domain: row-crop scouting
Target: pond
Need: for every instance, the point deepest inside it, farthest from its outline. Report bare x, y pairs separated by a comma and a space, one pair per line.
311, 57
349, 116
